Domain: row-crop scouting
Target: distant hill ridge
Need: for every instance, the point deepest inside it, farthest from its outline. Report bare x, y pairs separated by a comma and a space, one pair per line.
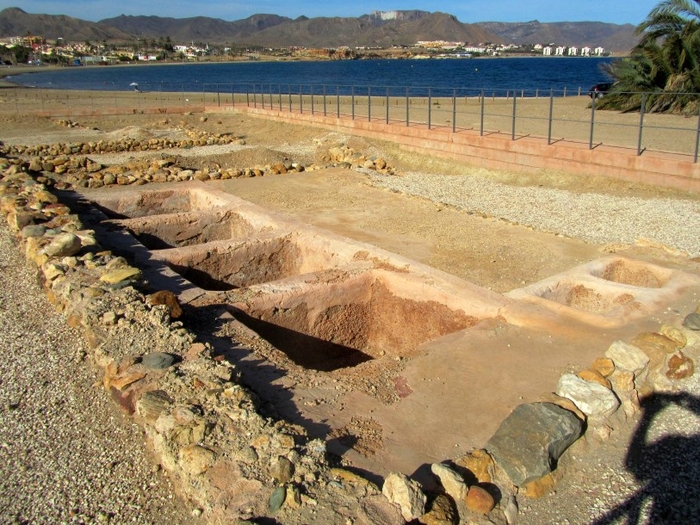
380, 28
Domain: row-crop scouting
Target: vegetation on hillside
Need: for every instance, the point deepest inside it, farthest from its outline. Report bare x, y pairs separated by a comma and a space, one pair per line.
665, 64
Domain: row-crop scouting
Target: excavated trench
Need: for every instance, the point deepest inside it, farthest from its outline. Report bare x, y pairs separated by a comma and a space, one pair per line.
361, 315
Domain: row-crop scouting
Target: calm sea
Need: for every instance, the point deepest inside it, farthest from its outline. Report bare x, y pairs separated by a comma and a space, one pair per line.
443, 77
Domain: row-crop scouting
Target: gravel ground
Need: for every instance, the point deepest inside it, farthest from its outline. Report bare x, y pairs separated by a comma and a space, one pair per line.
591, 217
66, 454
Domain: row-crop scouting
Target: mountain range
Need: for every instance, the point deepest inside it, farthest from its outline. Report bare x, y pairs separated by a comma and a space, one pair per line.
379, 29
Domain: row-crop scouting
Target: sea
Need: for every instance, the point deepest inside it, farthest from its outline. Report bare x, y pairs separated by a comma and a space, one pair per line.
528, 76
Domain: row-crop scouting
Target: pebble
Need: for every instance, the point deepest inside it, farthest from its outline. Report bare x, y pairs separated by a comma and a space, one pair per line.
157, 360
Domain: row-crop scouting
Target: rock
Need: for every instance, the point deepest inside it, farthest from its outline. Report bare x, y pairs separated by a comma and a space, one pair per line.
479, 463
604, 366
405, 493
441, 512
158, 360
563, 402
595, 377
121, 275
510, 510
692, 321
281, 469
531, 439
674, 334
152, 404
169, 299
33, 230
680, 366
656, 346
452, 482
593, 399
539, 487
63, 245
479, 500
293, 497
622, 381
627, 357
277, 499
196, 459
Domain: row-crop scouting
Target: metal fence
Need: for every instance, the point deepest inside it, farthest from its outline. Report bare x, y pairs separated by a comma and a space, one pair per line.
552, 115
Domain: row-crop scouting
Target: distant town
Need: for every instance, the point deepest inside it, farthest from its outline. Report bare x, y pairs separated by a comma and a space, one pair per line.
35, 50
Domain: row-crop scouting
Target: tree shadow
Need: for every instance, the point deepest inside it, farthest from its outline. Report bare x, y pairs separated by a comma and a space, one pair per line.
667, 469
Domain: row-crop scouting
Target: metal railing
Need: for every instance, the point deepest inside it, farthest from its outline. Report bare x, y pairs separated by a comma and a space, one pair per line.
553, 115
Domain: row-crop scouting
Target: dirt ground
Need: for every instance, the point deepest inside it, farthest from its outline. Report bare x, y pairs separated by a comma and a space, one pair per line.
485, 251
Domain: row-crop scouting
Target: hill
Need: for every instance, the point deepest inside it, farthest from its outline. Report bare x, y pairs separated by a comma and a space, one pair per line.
613, 37
378, 29
16, 22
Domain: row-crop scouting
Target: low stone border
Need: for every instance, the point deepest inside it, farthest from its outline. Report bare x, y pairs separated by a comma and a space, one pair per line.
233, 463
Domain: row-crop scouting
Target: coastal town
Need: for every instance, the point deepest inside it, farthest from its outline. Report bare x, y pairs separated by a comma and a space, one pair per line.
37, 50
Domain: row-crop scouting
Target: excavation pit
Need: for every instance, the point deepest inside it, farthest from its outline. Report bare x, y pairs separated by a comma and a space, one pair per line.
219, 266
342, 321
590, 299
633, 273
187, 229
159, 202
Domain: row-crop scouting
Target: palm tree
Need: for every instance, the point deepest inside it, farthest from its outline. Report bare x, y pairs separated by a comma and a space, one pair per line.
665, 63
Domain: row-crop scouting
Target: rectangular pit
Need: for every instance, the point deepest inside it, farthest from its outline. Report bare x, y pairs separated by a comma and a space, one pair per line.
633, 273
187, 229
344, 321
589, 298
229, 265
157, 202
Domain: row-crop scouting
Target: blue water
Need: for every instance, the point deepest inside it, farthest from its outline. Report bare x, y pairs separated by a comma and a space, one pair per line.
443, 77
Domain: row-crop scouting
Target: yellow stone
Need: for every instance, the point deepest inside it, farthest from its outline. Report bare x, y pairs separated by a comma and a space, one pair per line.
120, 275
538, 488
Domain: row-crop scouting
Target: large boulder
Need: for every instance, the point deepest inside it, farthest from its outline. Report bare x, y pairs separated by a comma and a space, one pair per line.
531, 439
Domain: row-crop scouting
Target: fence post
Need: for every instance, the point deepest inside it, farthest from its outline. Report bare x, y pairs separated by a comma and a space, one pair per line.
430, 108
481, 125
454, 110
352, 101
387, 104
551, 116
590, 139
218, 95
289, 95
641, 123
515, 100
408, 100
337, 101
312, 99
301, 100
697, 141
279, 94
272, 102
369, 103
324, 101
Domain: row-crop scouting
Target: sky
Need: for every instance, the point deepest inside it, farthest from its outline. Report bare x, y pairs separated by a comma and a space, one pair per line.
466, 11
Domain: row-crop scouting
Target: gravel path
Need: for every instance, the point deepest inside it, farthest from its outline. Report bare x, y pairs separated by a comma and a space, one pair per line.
591, 217
66, 454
